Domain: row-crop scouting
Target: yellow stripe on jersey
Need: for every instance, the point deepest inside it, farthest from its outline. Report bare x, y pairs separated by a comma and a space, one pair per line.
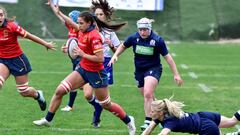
98, 50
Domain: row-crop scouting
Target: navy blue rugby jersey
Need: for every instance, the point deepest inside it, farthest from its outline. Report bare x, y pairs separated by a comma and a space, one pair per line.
146, 51
190, 123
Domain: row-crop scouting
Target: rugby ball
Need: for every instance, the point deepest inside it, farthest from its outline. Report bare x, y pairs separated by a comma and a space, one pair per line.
71, 44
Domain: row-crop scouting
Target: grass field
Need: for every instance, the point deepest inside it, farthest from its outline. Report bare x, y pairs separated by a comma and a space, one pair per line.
210, 71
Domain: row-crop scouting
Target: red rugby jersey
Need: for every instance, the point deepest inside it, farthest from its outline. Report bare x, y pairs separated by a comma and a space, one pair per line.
9, 46
71, 32
90, 43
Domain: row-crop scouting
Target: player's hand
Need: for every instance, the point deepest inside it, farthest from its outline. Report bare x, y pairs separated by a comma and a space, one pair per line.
178, 80
113, 60
64, 48
51, 46
78, 52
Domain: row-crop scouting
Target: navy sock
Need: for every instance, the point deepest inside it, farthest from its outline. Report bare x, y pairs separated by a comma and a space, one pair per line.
72, 97
237, 115
126, 120
98, 109
95, 104
49, 116
148, 118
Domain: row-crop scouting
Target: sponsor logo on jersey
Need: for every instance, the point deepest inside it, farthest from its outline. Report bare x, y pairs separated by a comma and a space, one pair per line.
144, 50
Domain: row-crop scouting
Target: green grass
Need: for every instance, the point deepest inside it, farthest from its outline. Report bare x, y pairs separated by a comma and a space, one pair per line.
217, 66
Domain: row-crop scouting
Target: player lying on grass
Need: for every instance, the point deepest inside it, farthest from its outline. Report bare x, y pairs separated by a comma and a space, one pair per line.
170, 115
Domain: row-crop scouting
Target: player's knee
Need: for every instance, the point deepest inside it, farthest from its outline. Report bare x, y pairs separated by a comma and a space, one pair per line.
2, 80
148, 95
106, 103
64, 88
24, 89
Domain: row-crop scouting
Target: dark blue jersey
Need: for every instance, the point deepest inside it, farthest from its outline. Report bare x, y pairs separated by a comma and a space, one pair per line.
146, 51
194, 123
190, 123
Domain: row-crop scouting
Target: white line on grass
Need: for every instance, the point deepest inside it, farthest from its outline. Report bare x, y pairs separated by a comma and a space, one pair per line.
131, 73
184, 66
174, 54
67, 129
193, 75
204, 87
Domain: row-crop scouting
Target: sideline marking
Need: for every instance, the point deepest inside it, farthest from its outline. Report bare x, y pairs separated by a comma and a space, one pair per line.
204, 87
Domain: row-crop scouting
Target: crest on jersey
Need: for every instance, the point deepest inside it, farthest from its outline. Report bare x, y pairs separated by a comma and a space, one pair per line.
152, 42
137, 39
5, 33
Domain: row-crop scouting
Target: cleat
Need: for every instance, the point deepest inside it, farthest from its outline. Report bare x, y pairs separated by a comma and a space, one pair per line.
42, 122
96, 124
67, 109
131, 126
41, 100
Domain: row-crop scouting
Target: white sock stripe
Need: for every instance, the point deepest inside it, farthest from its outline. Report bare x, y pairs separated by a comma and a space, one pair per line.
20, 85
64, 87
106, 101
147, 121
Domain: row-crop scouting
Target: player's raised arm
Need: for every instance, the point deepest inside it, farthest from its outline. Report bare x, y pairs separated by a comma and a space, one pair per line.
63, 17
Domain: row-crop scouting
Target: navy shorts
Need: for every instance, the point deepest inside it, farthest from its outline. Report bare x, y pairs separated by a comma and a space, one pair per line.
95, 79
17, 66
109, 70
155, 72
209, 123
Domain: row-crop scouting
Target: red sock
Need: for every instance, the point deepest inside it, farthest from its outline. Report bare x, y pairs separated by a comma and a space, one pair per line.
117, 110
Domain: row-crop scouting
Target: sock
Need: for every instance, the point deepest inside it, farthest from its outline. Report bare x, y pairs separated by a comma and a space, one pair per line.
148, 120
126, 120
117, 110
72, 97
98, 108
49, 116
237, 115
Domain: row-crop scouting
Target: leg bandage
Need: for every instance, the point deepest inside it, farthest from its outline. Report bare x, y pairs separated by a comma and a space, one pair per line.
106, 101
22, 87
67, 86
1, 81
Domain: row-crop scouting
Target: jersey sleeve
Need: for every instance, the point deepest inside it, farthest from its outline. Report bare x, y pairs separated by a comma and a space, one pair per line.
114, 39
96, 43
128, 42
162, 47
18, 30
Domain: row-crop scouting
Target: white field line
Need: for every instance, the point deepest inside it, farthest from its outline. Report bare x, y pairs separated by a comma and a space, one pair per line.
184, 66
172, 87
68, 129
192, 75
204, 87
174, 54
131, 73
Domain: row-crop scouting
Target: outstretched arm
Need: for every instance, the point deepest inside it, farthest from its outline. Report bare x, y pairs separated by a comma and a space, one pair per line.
149, 129
48, 45
172, 65
119, 51
165, 131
